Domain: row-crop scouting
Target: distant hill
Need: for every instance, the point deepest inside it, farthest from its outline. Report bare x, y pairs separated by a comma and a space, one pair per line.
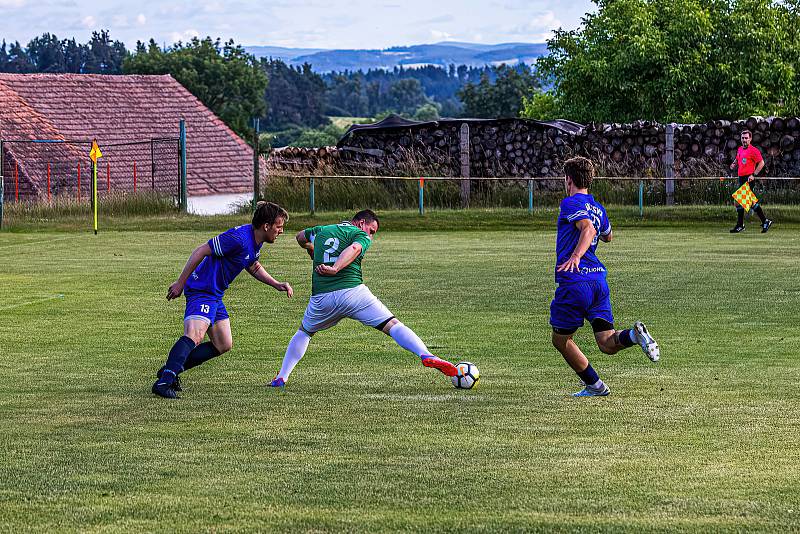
441, 54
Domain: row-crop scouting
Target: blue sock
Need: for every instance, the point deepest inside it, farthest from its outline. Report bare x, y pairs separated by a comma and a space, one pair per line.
200, 354
589, 376
177, 357
626, 338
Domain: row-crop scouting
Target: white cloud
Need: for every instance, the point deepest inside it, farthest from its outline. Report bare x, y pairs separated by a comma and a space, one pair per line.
184, 36
540, 27
441, 36
141, 19
89, 22
10, 4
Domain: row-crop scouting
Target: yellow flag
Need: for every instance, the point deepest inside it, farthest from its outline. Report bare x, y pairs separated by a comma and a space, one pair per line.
95, 152
745, 197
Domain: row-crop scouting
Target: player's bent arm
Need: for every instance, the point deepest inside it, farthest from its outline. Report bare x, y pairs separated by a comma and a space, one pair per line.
759, 167
305, 243
585, 240
194, 260
259, 273
607, 238
346, 257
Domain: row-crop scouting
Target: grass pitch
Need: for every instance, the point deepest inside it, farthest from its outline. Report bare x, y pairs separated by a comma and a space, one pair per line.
365, 438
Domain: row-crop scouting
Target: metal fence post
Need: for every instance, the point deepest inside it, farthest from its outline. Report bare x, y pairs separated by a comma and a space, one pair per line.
153, 163
422, 196
464, 153
669, 162
2, 185
530, 197
183, 200
256, 166
641, 198
311, 195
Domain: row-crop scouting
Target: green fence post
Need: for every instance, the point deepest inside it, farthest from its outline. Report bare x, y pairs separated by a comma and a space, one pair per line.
311, 196
530, 197
422, 196
183, 200
641, 198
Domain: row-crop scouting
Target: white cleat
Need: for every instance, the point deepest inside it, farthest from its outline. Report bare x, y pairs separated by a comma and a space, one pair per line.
646, 341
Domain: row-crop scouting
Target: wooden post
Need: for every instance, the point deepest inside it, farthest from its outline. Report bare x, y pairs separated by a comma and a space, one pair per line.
464, 146
256, 166
79, 181
16, 182
108, 176
134, 176
669, 162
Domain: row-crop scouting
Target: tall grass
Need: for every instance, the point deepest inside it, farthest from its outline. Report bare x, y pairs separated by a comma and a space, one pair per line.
112, 205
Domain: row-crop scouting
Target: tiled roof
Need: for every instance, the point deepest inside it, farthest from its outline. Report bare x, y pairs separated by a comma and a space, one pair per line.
120, 109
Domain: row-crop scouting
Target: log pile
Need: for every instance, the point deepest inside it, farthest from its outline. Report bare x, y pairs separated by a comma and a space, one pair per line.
522, 148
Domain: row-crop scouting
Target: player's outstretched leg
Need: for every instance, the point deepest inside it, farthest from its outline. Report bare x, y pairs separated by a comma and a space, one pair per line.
407, 339
594, 386
294, 353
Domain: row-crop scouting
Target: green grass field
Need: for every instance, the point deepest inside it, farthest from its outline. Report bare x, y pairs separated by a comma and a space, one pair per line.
365, 438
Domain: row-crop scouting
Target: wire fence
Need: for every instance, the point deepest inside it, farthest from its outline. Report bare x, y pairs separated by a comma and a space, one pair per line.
329, 193
47, 170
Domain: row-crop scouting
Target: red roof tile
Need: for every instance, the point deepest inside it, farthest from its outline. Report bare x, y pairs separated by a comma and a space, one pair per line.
113, 110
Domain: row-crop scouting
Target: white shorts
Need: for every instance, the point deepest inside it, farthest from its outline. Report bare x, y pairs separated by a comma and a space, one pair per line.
327, 309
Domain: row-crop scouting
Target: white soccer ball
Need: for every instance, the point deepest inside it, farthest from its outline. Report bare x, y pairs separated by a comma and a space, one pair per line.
467, 377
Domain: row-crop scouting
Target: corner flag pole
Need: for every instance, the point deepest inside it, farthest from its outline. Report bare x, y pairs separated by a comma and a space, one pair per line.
94, 154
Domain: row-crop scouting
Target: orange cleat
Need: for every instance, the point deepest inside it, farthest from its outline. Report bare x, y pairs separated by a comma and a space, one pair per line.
442, 365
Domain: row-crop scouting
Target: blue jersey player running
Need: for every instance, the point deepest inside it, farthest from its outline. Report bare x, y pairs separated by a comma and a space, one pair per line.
581, 288
207, 274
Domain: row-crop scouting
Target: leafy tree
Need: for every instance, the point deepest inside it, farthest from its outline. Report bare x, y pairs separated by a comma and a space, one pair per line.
104, 56
224, 77
674, 60
501, 98
427, 112
295, 95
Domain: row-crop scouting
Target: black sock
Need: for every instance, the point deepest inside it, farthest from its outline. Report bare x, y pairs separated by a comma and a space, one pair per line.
625, 338
589, 376
177, 357
760, 214
739, 217
200, 354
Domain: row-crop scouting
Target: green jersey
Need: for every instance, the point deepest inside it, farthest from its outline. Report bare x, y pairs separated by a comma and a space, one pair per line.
329, 241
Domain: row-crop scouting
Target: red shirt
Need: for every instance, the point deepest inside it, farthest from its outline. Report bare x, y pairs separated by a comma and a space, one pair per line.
747, 158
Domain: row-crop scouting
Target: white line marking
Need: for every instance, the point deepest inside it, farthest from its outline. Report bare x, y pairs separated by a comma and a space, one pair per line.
45, 299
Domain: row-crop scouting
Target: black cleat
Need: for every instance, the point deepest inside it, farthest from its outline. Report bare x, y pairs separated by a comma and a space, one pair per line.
765, 226
736, 229
176, 384
163, 389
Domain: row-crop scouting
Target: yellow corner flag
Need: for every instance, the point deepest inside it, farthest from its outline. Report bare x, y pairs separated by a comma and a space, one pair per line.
745, 197
95, 152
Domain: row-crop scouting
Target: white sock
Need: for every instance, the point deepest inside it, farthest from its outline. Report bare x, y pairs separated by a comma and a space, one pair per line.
406, 338
294, 353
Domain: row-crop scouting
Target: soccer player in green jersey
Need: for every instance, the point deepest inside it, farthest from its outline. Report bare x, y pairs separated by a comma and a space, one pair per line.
338, 292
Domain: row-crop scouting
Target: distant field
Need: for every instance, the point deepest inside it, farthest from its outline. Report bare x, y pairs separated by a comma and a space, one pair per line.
346, 122
365, 438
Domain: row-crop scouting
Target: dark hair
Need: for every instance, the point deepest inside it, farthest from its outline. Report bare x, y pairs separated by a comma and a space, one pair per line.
747, 132
367, 216
580, 170
268, 213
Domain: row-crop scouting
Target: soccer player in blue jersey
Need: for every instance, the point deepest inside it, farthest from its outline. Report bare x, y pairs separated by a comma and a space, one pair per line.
581, 288
207, 274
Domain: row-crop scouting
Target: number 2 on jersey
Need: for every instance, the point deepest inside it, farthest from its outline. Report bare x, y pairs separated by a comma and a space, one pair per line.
333, 248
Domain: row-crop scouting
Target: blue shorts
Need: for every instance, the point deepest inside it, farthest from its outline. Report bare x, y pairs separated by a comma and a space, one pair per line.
577, 301
204, 306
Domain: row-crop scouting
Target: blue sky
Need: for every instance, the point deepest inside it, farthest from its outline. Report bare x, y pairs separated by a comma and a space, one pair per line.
295, 23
